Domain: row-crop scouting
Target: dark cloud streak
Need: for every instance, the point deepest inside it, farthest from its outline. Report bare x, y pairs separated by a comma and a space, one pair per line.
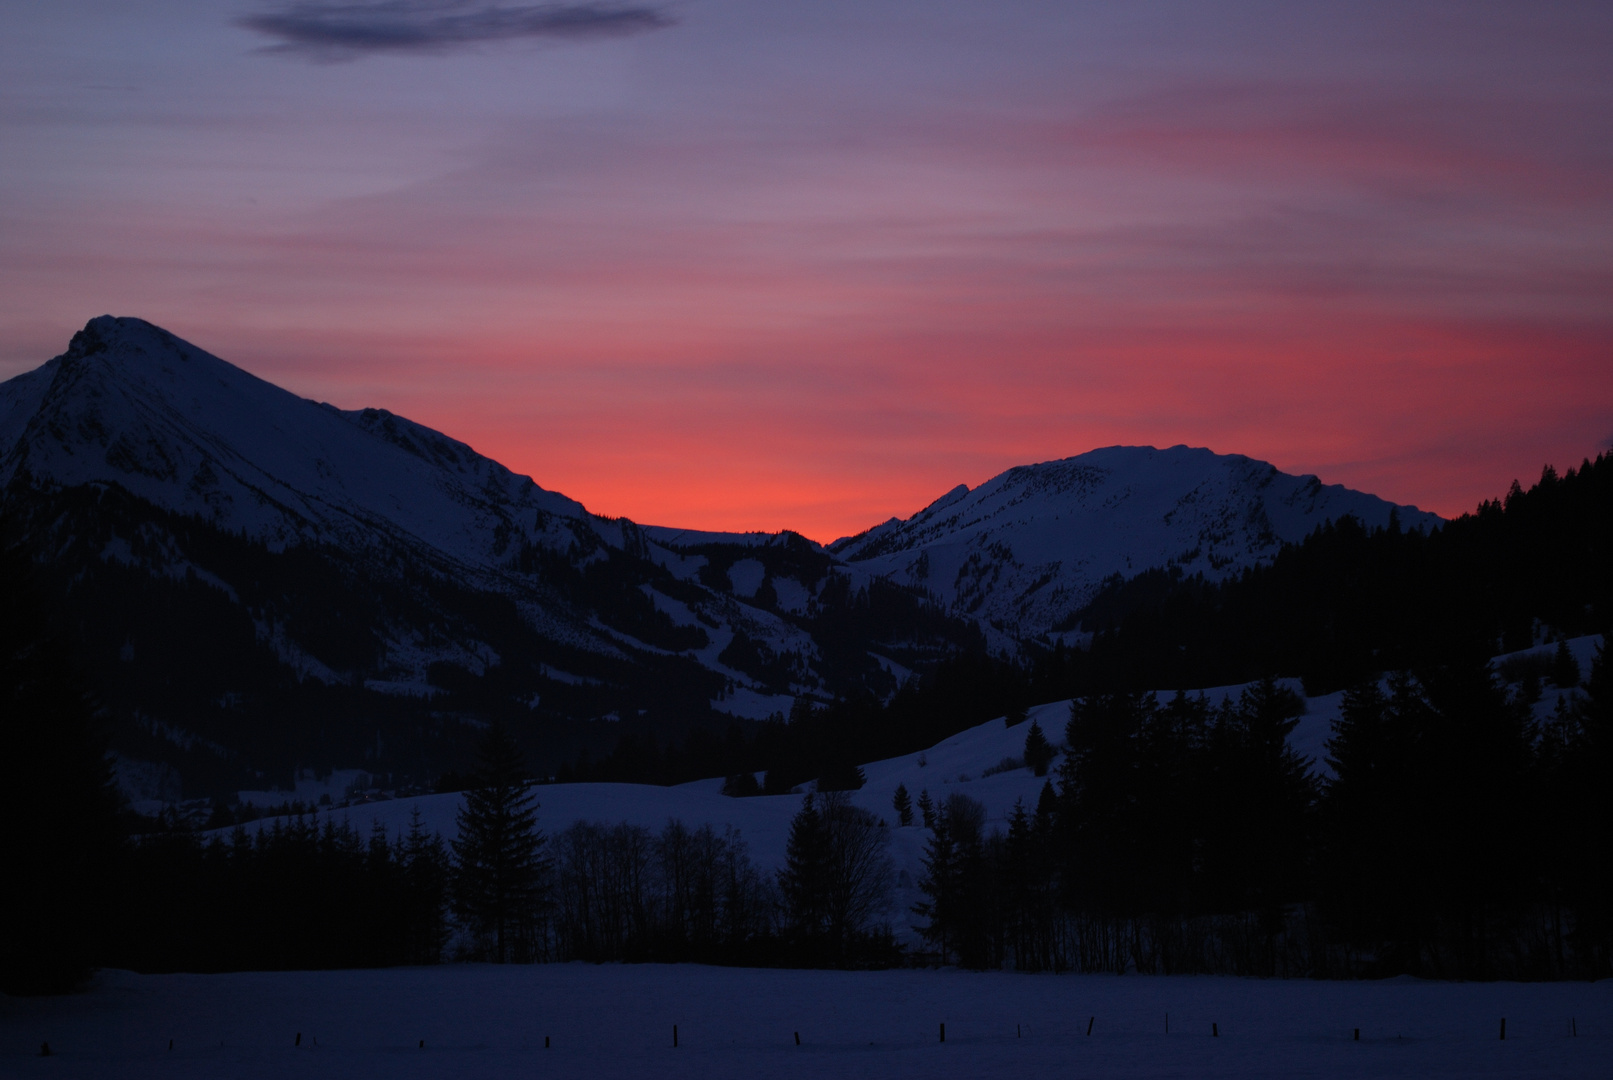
351, 30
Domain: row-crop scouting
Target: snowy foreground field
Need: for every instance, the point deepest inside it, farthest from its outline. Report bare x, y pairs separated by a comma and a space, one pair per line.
617, 1021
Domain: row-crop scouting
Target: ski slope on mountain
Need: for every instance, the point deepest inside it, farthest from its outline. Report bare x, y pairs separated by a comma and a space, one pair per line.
1029, 547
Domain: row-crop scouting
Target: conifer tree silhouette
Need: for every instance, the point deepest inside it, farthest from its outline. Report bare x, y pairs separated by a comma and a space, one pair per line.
1038, 751
60, 842
500, 867
902, 803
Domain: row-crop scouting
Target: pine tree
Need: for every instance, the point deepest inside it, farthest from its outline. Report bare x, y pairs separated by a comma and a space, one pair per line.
1047, 804
1038, 751
741, 785
60, 841
1564, 668
972, 907
954, 881
803, 879
500, 869
903, 804
1107, 853
1019, 873
836, 874
1256, 858
425, 866
1590, 864
842, 775
926, 809
938, 884
1373, 841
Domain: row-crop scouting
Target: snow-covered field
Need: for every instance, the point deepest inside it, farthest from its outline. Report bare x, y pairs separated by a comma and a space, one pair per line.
955, 764
616, 1021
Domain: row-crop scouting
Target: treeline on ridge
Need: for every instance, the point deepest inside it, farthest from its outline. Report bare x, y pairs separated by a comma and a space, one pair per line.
1456, 838
1342, 605
302, 893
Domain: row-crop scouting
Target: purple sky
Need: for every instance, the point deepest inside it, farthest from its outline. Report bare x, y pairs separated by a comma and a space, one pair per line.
761, 265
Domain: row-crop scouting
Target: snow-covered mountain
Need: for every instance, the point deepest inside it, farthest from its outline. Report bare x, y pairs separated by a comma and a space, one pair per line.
132, 404
259, 583
235, 562
1028, 548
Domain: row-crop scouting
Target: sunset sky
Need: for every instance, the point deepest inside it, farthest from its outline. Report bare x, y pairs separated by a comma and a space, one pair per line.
753, 264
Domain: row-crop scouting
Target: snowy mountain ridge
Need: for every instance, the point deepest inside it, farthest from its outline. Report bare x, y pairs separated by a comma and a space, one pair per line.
130, 403
258, 582
1031, 546
245, 568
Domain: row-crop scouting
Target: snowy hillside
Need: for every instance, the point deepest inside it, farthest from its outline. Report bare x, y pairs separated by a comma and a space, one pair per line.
963, 763
1028, 548
981, 762
955, 764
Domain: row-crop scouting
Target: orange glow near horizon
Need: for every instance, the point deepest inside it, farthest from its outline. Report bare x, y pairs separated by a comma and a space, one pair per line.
833, 449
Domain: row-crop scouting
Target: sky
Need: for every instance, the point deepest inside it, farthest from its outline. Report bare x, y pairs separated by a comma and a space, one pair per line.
755, 264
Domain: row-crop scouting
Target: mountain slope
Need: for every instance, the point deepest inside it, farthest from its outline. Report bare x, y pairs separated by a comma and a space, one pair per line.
131, 404
256, 583
1028, 548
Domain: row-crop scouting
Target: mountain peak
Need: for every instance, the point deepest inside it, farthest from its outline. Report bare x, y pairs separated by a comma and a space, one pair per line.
131, 404
99, 333
1030, 546
127, 339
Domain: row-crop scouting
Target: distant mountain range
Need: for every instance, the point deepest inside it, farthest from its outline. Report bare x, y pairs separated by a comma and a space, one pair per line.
1026, 550
257, 583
